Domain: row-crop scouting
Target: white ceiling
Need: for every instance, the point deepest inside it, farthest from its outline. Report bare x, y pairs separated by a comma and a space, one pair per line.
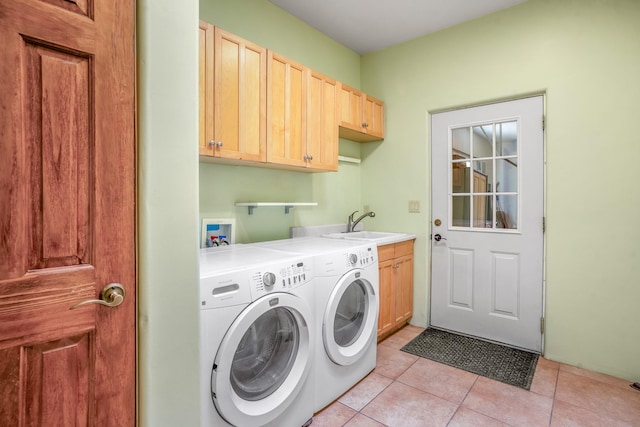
369, 25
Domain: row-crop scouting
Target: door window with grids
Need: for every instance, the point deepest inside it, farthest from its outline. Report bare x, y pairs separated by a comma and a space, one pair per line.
484, 184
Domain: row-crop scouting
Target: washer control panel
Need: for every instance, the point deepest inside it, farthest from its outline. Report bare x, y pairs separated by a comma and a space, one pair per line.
280, 277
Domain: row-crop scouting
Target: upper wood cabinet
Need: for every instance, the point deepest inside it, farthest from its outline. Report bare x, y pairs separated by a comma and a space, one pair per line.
258, 106
322, 122
233, 113
205, 88
286, 111
361, 115
302, 130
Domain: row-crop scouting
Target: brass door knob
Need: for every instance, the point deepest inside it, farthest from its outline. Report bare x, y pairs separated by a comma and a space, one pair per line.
112, 296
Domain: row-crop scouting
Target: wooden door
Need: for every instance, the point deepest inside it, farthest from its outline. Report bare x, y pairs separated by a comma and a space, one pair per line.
67, 195
350, 108
403, 279
205, 89
286, 111
373, 117
386, 309
322, 122
240, 91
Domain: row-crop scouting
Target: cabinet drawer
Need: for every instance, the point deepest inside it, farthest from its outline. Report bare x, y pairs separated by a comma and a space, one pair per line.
386, 252
404, 248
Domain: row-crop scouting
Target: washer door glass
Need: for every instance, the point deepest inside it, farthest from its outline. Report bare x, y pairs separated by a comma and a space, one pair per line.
265, 355
350, 314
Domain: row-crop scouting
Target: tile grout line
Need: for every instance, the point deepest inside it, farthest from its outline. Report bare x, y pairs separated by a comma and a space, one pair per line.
553, 399
463, 399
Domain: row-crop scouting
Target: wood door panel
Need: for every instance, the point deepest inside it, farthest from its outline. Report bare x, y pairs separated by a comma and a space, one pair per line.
81, 7
322, 122
37, 305
386, 313
62, 368
57, 128
205, 85
227, 93
46, 24
240, 88
287, 107
350, 107
404, 290
10, 386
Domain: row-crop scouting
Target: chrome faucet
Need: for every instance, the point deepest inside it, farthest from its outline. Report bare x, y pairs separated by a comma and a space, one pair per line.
352, 224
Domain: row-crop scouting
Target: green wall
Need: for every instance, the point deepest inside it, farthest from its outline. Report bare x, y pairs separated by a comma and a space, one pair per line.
585, 57
168, 362
337, 193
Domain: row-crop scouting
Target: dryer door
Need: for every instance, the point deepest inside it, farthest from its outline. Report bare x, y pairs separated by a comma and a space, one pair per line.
351, 318
263, 360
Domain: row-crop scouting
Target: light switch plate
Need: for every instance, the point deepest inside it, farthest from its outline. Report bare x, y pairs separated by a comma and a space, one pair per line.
414, 206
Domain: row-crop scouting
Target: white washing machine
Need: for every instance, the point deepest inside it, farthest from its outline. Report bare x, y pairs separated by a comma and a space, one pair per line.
256, 337
347, 300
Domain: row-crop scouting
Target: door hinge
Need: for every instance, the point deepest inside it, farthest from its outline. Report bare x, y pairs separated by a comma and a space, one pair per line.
542, 325
544, 224
543, 122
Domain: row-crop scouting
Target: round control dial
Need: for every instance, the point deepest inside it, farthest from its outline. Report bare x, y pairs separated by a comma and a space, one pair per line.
353, 259
269, 279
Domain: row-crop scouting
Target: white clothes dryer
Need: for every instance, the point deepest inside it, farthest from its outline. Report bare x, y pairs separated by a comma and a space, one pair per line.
256, 338
347, 300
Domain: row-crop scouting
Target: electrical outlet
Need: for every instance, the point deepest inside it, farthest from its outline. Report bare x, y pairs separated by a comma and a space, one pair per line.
414, 206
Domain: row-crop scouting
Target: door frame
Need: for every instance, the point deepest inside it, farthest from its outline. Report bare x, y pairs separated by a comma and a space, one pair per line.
429, 115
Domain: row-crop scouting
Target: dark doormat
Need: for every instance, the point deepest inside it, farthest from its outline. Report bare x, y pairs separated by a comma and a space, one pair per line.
491, 360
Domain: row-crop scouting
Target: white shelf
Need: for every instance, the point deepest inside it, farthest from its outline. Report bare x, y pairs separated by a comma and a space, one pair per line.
348, 159
287, 205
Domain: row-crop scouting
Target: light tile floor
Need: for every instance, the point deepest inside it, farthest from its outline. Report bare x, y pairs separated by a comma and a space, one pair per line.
405, 390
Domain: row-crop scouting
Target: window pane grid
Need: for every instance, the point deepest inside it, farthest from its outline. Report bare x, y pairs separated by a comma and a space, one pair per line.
482, 155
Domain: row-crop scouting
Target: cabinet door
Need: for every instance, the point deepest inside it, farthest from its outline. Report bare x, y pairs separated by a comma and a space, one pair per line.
386, 311
205, 88
286, 111
322, 122
373, 117
361, 116
240, 94
350, 108
403, 288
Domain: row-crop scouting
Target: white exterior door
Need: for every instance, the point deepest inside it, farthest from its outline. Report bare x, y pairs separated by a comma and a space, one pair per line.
487, 222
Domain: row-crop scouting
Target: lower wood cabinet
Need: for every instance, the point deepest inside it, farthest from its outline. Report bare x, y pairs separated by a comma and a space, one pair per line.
395, 265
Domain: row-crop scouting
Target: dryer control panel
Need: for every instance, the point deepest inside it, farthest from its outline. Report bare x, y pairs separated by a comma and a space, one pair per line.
280, 277
362, 256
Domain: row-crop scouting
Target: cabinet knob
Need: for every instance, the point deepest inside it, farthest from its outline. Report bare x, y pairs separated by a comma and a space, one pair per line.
215, 144
365, 125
